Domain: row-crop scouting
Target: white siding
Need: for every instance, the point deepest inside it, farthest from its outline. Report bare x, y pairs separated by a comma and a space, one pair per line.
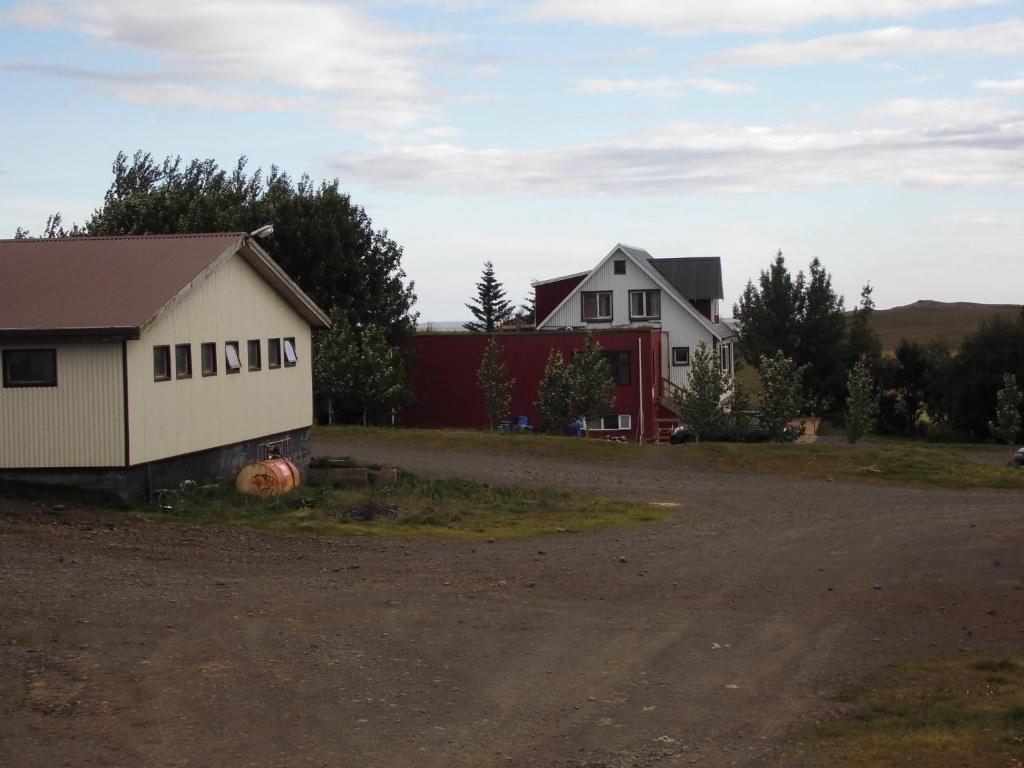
78, 423
680, 327
170, 418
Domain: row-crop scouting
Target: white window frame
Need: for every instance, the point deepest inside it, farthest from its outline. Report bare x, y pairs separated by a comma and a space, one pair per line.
291, 357
232, 360
645, 304
625, 423
685, 362
597, 295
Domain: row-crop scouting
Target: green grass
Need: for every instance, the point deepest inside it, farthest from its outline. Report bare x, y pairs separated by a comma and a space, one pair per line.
926, 321
443, 508
892, 462
929, 714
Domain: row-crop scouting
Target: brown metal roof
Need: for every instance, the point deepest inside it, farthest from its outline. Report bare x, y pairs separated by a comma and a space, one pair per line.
111, 285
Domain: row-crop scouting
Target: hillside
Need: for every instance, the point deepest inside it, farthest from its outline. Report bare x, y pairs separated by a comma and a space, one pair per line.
925, 321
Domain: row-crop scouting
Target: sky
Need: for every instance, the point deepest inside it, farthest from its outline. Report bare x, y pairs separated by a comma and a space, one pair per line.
884, 137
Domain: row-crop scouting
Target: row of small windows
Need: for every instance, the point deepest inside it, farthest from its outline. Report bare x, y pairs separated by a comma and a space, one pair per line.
643, 305
279, 352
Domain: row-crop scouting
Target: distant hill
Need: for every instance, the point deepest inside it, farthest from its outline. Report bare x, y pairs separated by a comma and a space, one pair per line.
925, 321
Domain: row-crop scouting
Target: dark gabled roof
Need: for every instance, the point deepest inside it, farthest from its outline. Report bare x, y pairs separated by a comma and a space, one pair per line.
694, 278
114, 286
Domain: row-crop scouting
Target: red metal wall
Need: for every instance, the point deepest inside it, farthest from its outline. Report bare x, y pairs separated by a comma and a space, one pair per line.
447, 393
550, 295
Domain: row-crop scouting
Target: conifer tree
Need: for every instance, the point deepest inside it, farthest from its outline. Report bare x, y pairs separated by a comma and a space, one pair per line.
494, 382
593, 385
489, 307
780, 393
555, 394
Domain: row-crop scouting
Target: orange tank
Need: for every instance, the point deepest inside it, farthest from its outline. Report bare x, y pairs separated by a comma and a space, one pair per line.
272, 477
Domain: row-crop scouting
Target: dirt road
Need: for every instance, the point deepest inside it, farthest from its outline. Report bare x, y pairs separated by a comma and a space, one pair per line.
700, 641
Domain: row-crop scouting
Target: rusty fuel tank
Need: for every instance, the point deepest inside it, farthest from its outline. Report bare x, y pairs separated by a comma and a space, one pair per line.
272, 477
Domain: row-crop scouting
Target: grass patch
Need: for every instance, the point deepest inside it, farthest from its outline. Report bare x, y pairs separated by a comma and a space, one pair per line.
414, 507
916, 464
929, 715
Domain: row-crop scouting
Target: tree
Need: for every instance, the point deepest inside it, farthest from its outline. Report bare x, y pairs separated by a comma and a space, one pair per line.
995, 349
699, 403
490, 307
527, 312
593, 384
494, 382
555, 394
324, 241
821, 348
862, 402
780, 393
739, 402
768, 314
335, 362
380, 383
863, 341
1006, 426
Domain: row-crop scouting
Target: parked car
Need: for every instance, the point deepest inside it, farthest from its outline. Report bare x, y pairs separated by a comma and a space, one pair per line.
1018, 457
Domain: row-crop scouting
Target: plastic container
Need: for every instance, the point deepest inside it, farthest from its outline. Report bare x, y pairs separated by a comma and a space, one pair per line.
272, 477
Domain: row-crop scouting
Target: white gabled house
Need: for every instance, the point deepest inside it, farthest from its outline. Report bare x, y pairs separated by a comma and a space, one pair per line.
631, 288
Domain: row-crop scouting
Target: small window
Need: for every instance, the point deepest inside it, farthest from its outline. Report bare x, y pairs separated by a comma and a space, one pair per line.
183, 361
233, 363
616, 421
726, 358
620, 364
644, 305
290, 358
597, 305
162, 363
273, 353
620, 266
30, 367
255, 359
208, 351
680, 355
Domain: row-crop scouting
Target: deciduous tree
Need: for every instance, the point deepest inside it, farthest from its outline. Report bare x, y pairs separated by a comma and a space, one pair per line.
780, 393
494, 383
699, 403
862, 401
335, 363
555, 394
1006, 425
593, 385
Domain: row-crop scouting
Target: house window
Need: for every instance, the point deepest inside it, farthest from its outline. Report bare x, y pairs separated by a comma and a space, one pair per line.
645, 305
273, 353
680, 355
183, 361
726, 358
620, 365
620, 266
255, 360
616, 421
597, 305
161, 363
290, 357
30, 367
208, 351
233, 363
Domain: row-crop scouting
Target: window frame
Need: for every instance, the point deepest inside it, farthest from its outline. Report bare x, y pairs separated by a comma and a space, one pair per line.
228, 368
726, 357
211, 347
249, 347
619, 417
623, 363
8, 383
188, 360
289, 341
646, 294
683, 364
164, 350
597, 297
619, 266
272, 346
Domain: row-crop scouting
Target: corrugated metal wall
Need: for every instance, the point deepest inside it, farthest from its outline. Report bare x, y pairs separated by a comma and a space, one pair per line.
78, 423
170, 418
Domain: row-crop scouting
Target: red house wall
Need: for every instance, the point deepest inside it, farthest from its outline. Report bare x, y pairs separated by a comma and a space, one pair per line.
550, 295
447, 394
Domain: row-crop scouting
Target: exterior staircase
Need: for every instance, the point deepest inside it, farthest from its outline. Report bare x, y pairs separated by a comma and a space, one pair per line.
666, 418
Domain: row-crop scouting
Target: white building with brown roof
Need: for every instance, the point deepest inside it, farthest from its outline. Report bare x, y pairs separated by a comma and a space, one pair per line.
131, 364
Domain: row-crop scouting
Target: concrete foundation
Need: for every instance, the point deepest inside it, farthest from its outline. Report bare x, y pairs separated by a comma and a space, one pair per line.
143, 481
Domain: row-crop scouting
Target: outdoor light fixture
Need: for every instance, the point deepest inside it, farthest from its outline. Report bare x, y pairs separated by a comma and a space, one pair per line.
265, 231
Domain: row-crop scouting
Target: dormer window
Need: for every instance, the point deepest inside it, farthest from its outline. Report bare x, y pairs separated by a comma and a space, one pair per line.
645, 305
597, 306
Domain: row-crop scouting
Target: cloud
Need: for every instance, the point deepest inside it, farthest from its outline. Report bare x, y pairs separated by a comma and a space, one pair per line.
702, 158
1001, 38
334, 52
1006, 86
662, 87
701, 17
723, 87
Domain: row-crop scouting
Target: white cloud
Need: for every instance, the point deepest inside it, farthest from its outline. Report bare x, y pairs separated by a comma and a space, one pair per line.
705, 158
700, 17
723, 87
940, 113
661, 87
1006, 86
1001, 38
359, 66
